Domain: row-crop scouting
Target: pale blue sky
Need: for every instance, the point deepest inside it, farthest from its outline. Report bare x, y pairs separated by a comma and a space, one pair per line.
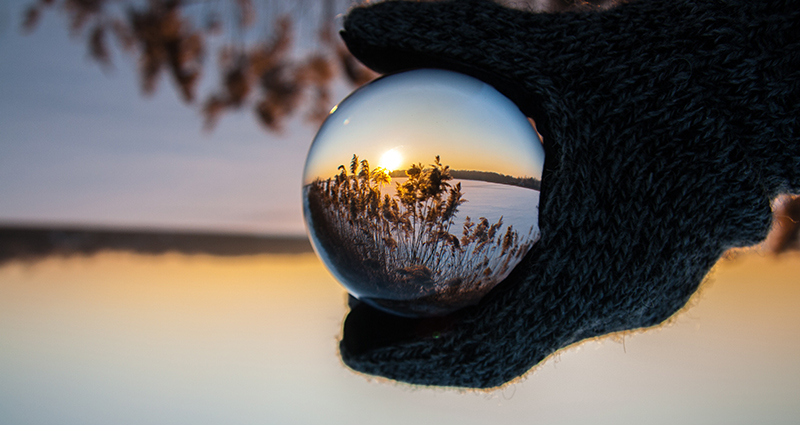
79, 145
425, 113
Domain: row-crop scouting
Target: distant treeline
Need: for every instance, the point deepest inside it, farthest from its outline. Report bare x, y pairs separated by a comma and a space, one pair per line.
33, 242
486, 176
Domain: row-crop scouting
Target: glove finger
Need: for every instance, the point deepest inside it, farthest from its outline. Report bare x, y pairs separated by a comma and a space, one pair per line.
468, 36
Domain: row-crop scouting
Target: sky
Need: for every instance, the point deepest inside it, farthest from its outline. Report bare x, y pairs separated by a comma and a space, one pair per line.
122, 338
80, 145
425, 113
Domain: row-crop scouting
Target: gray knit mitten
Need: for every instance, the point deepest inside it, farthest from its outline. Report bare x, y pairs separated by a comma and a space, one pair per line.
669, 126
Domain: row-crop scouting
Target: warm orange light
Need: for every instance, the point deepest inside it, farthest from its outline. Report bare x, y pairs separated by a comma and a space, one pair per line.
391, 160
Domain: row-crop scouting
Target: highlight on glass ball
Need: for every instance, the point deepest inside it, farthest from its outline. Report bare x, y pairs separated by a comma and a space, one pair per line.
421, 191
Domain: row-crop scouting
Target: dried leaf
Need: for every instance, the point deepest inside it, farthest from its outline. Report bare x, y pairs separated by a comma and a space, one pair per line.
32, 15
97, 45
123, 33
247, 13
318, 70
269, 114
212, 110
268, 55
149, 71
283, 95
237, 84
167, 38
187, 82
80, 11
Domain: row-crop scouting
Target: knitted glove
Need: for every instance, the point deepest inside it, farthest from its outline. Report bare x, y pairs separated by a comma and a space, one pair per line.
669, 126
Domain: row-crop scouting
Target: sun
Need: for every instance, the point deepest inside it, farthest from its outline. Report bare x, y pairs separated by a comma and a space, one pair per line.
391, 160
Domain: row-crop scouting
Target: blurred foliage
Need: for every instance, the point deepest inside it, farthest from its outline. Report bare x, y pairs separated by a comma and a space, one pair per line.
276, 57
264, 62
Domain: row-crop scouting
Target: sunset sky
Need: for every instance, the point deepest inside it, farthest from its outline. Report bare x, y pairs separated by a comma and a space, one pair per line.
131, 339
423, 114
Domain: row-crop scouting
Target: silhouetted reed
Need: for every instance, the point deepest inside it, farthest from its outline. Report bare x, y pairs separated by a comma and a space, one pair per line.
403, 242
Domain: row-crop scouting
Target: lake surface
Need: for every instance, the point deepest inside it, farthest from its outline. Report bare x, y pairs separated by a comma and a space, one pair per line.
176, 339
518, 206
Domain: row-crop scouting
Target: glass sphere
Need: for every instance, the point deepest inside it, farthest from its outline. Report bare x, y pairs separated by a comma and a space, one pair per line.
421, 191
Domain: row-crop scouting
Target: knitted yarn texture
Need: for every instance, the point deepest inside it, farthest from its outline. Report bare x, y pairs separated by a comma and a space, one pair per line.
669, 126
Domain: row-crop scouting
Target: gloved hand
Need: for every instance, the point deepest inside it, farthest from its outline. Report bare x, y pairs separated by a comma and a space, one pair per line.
669, 126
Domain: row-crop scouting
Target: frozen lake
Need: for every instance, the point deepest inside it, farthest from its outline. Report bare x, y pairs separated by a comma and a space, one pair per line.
518, 206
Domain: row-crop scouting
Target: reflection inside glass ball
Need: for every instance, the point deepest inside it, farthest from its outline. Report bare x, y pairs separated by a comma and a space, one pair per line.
421, 191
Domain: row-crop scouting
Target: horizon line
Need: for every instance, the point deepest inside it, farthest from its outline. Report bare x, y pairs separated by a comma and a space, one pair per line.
24, 241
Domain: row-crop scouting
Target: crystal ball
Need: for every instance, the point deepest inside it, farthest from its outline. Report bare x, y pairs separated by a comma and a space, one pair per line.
421, 191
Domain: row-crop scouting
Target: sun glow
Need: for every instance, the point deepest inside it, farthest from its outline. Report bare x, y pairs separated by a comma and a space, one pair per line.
391, 160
